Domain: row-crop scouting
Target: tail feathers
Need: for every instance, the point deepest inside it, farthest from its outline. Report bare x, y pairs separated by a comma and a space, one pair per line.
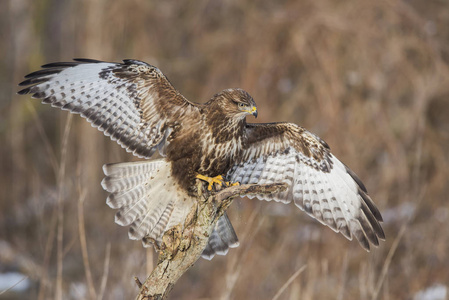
147, 198
130, 169
124, 176
125, 198
152, 224
180, 210
132, 211
221, 239
114, 184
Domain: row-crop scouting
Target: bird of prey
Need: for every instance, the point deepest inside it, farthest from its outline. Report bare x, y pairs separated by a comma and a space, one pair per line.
136, 105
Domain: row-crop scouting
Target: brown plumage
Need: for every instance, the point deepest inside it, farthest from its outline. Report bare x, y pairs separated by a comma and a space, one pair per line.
135, 104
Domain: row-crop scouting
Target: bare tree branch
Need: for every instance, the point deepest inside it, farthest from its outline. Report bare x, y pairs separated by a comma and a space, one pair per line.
182, 246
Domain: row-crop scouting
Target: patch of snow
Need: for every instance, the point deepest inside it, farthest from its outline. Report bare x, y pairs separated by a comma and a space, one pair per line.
78, 290
401, 212
14, 281
435, 292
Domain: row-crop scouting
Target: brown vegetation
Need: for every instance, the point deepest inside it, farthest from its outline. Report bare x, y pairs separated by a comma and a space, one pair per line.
370, 77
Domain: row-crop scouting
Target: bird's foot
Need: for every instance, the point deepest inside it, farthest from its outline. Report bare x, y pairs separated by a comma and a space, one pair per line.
211, 180
217, 179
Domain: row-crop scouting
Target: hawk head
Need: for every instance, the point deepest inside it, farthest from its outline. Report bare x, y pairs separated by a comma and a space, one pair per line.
236, 103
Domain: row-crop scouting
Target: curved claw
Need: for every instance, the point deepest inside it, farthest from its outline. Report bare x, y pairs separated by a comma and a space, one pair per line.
217, 179
211, 180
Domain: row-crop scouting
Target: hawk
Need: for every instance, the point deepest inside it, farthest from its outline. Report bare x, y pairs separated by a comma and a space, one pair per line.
136, 105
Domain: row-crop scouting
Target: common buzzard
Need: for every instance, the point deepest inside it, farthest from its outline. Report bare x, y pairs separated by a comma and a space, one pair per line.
136, 105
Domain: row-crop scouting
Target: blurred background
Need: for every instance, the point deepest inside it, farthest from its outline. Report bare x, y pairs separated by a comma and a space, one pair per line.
370, 77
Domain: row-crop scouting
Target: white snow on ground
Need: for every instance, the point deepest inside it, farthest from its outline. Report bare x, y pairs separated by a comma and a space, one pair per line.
435, 292
401, 212
10, 281
78, 290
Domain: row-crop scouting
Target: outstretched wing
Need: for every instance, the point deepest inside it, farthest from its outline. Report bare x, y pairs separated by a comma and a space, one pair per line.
318, 182
131, 102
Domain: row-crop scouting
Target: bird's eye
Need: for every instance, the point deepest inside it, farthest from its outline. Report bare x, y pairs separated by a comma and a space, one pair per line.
241, 104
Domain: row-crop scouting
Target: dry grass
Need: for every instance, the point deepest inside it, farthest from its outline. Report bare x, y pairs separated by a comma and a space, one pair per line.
370, 77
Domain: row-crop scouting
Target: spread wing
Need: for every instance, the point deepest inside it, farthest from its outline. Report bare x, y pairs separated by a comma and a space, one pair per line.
318, 182
131, 102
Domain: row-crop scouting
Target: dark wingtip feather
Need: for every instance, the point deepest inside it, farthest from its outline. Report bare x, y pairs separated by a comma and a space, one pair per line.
44, 72
372, 207
24, 91
364, 194
368, 229
356, 178
34, 80
373, 221
345, 231
68, 64
360, 236
88, 60
381, 234
60, 65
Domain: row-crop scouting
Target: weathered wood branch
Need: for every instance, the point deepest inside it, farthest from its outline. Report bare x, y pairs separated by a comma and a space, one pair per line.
182, 246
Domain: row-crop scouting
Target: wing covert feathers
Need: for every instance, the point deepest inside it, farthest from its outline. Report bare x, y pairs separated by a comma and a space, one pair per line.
319, 183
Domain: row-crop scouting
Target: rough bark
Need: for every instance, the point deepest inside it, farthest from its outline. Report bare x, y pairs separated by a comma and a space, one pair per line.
182, 246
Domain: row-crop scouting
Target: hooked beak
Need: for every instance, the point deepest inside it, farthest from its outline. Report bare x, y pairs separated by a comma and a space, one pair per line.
254, 111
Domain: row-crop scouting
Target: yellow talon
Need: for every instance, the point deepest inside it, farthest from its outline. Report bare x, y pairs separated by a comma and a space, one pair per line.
217, 179
228, 183
211, 180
